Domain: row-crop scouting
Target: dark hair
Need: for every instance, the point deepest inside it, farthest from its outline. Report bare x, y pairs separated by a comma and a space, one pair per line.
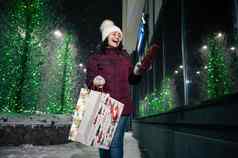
104, 45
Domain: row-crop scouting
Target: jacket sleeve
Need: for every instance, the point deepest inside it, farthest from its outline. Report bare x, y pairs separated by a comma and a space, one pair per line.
91, 71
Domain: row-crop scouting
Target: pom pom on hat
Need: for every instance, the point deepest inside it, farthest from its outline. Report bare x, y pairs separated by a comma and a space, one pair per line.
106, 23
108, 27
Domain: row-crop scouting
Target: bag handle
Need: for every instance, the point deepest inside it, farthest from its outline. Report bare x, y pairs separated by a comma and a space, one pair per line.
97, 89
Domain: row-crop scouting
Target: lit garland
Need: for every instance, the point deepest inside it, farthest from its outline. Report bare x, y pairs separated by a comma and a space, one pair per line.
61, 94
218, 82
159, 101
217, 77
20, 72
27, 63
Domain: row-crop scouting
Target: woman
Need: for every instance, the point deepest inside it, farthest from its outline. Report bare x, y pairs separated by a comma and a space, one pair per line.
110, 69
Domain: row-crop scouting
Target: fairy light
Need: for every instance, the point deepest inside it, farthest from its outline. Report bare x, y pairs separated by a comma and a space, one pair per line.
58, 34
84, 70
218, 82
204, 47
232, 48
26, 53
17, 36
219, 35
80, 65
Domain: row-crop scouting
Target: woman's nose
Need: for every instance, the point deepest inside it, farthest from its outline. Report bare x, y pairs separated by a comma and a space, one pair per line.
118, 36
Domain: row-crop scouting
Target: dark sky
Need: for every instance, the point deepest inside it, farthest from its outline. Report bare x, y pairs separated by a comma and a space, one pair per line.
84, 17
87, 15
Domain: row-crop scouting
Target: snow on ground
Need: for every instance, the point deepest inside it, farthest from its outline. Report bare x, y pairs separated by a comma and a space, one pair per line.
70, 150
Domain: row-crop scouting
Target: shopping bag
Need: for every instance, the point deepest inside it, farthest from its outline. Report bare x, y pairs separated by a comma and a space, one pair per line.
95, 119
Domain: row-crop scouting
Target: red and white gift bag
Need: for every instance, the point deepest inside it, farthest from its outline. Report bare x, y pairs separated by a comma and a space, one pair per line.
95, 119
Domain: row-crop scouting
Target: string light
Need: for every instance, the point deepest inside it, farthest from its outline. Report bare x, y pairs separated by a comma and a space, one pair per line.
204, 47
27, 58
218, 82
219, 35
158, 101
232, 48
80, 65
58, 34
84, 70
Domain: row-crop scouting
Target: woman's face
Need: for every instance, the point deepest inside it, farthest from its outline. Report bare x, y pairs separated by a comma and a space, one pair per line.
114, 39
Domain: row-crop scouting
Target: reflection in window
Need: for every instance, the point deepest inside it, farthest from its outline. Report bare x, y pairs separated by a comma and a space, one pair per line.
199, 54
209, 35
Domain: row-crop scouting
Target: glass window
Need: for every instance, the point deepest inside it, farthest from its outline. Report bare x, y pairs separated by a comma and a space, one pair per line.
198, 58
208, 40
162, 88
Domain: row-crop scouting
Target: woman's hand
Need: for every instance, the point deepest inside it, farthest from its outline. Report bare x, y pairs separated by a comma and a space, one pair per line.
99, 81
137, 69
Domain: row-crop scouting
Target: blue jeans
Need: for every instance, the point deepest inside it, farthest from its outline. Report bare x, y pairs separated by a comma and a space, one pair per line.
116, 149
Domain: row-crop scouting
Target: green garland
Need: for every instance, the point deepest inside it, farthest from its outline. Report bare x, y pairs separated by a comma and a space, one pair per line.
60, 93
218, 82
19, 71
158, 101
31, 75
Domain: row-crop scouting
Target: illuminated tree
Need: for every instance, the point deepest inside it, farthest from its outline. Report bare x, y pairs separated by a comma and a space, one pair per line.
36, 70
161, 100
20, 74
61, 78
218, 80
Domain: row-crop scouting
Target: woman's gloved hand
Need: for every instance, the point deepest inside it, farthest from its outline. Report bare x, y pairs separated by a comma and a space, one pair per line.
137, 68
99, 81
146, 62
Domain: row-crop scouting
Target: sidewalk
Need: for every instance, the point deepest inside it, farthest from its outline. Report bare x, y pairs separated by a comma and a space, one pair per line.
71, 150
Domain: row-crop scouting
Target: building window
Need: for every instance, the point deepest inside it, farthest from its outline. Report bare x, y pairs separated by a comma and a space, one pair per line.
198, 59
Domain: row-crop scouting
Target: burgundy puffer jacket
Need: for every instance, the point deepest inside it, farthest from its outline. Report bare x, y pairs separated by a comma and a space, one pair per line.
115, 67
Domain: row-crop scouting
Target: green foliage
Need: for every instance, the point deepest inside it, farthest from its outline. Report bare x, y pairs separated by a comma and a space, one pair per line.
218, 82
36, 69
19, 70
159, 101
61, 93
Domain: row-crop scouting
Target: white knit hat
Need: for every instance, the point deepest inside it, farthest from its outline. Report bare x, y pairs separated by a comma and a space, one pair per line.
108, 27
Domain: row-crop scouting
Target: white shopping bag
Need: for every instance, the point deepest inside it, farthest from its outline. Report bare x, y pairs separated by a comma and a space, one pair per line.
95, 119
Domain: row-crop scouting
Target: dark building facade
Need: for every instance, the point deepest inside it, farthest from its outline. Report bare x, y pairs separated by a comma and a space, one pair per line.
186, 104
